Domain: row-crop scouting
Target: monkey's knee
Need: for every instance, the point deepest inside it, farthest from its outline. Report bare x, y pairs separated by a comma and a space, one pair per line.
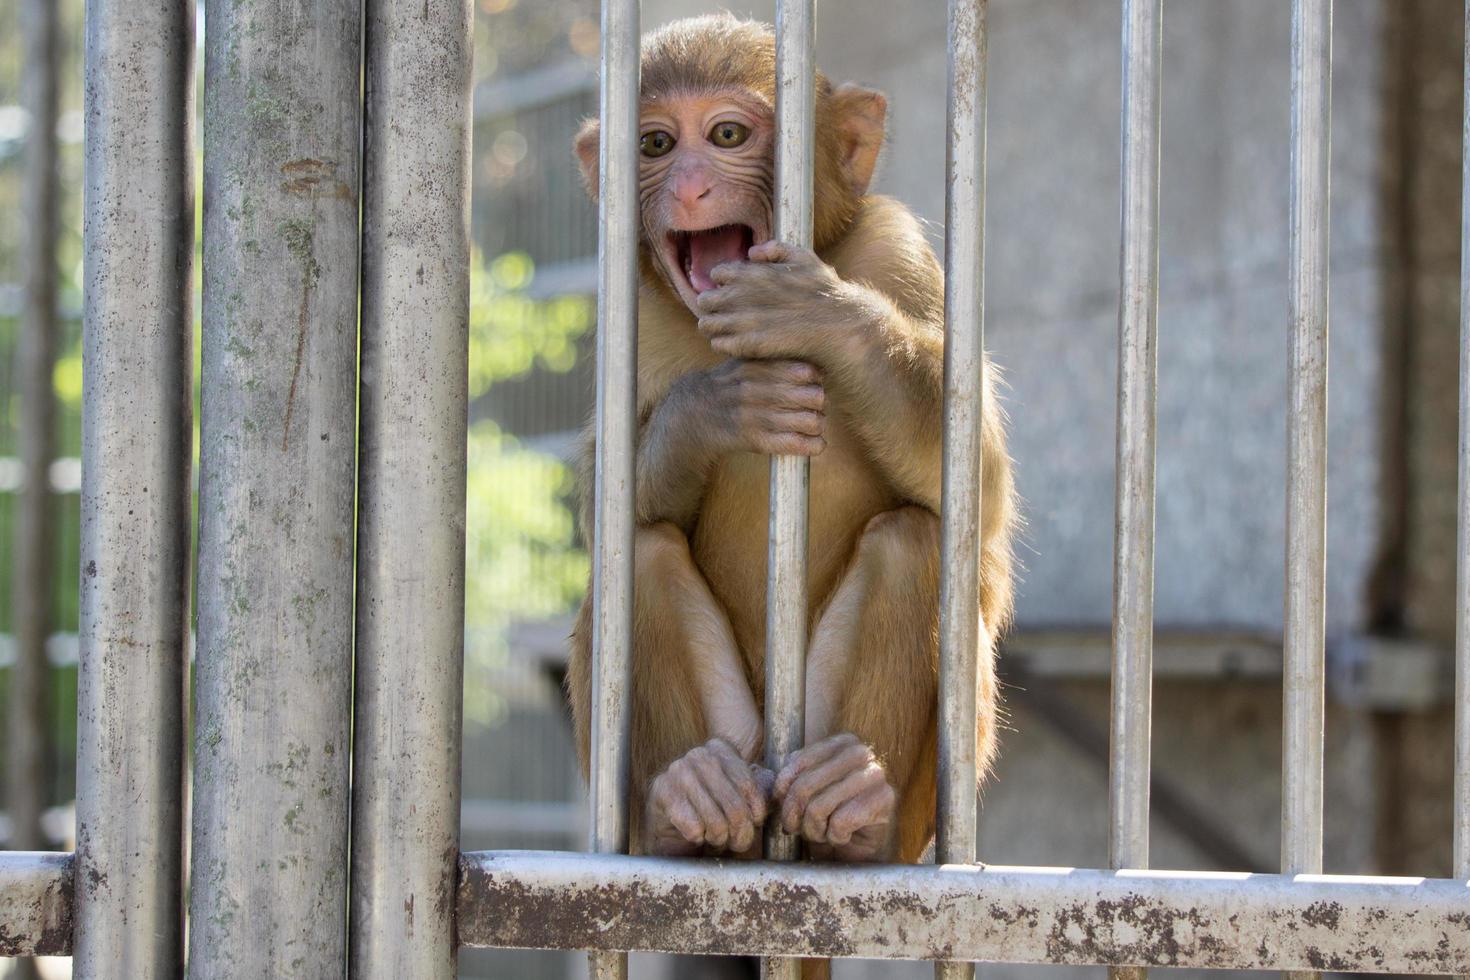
905, 537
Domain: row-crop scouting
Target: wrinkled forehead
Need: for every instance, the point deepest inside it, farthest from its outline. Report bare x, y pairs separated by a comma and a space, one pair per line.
703, 98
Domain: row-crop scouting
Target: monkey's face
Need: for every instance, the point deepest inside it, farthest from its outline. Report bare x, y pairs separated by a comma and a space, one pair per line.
704, 183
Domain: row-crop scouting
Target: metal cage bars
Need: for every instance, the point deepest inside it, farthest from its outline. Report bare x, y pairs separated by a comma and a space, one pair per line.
1133, 526
617, 383
960, 631
786, 578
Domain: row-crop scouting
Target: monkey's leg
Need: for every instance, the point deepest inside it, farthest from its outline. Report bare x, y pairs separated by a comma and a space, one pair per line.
689, 682
872, 678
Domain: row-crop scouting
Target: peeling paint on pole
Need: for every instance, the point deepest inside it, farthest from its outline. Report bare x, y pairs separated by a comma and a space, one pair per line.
278, 432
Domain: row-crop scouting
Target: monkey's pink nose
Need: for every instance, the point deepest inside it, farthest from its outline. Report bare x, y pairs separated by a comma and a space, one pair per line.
690, 188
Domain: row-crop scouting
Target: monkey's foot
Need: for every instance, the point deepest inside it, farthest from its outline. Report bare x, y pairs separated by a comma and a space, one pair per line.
708, 801
836, 794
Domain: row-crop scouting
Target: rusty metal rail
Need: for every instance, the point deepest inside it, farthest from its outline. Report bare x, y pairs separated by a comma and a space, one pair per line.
1064, 916
36, 903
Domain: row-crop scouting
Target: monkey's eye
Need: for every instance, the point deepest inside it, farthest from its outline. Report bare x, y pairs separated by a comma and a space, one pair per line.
729, 134
656, 143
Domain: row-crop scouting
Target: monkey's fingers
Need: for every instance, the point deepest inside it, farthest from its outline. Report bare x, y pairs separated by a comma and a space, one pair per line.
810, 756
800, 397
849, 759
871, 812
740, 822
818, 812
775, 250
697, 771
796, 423
744, 777
674, 807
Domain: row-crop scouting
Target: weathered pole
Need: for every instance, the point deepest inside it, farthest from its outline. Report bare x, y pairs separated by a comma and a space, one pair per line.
268, 895
27, 741
137, 447
411, 508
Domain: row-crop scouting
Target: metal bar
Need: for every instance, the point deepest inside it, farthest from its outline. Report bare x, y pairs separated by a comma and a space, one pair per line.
617, 380
414, 404
1301, 822
1304, 657
37, 904
137, 435
1462, 590
1222, 920
282, 142
34, 526
960, 631
786, 584
1133, 525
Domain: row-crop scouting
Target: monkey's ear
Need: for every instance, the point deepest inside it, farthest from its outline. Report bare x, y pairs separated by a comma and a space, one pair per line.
586, 143
860, 115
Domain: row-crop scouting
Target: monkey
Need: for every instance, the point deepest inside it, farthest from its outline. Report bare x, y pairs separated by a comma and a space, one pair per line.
750, 347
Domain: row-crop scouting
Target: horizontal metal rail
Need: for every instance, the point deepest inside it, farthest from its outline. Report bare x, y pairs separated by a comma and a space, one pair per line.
36, 902
1221, 920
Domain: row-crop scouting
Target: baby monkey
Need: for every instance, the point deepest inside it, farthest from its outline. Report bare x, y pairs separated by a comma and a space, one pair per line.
750, 347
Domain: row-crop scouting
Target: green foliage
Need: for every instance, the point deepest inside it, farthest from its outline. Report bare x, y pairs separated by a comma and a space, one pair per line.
510, 332
521, 557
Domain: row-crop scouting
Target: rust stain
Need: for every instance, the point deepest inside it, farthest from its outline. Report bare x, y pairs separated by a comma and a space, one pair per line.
315, 179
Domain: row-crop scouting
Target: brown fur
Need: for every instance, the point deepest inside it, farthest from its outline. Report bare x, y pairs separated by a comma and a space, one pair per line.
875, 488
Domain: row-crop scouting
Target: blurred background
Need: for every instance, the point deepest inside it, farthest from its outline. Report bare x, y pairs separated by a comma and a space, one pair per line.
1052, 272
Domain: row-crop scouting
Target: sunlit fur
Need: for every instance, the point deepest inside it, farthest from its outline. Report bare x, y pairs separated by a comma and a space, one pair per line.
875, 489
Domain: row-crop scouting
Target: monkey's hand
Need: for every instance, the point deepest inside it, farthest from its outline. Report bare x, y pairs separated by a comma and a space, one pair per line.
784, 303
836, 794
771, 407
708, 801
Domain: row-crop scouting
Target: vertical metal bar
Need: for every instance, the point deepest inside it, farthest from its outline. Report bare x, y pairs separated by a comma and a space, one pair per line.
960, 631
617, 380
414, 403
786, 585
137, 424
1306, 463
1133, 525
282, 142
1461, 831
27, 749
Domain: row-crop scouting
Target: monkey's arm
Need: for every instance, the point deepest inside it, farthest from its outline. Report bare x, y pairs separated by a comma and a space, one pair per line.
768, 406
885, 366
676, 455
887, 373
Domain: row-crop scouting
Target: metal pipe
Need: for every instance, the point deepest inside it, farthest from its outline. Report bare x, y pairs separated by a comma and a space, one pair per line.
617, 381
786, 583
1304, 657
282, 139
37, 904
960, 631
1462, 591
1133, 524
34, 526
1065, 916
414, 403
137, 436
1307, 439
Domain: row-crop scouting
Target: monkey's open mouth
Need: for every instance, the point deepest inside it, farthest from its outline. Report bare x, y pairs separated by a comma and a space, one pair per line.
698, 252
